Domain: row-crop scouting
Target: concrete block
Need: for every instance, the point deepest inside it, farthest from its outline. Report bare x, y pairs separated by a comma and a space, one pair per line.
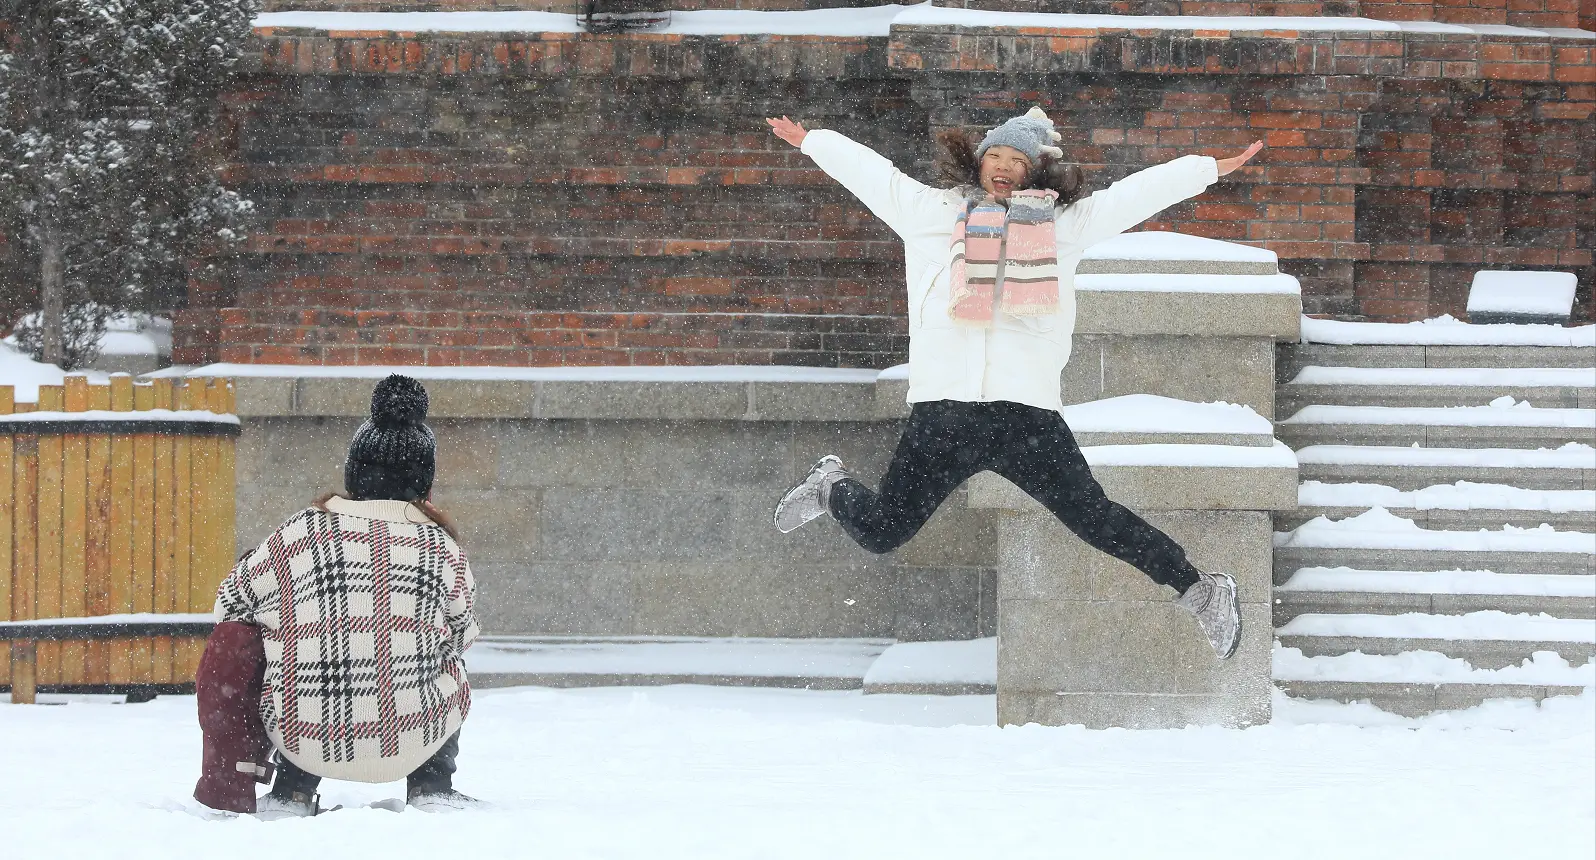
326, 396
1509, 356
936, 605
1275, 316
1198, 369
1094, 266
258, 396
294, 451
646, 453
467, 452
810, 401
1289, 559
1113, 710
1039, 558
554, 599
643, 400
1292, 357
750, 598
461, 398
892, 399
955, 536
496, 525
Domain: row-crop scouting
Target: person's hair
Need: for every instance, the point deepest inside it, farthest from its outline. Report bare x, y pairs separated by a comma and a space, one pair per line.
957, 164
433, 512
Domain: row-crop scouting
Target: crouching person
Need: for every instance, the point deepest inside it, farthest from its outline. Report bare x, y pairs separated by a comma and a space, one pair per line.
363, 605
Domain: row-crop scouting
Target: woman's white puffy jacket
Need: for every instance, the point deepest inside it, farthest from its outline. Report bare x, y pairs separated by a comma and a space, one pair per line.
1019, 359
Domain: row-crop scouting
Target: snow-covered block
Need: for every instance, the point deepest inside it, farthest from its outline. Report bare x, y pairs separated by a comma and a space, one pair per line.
1445, 330
1147, 252
935, 668
1521, 297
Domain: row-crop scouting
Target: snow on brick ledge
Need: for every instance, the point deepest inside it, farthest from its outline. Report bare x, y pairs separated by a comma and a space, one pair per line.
1544, 296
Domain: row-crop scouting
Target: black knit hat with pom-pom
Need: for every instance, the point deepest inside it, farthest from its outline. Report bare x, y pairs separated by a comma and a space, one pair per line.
393, 454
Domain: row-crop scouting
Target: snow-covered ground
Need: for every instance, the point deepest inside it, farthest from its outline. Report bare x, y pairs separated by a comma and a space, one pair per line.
695, 772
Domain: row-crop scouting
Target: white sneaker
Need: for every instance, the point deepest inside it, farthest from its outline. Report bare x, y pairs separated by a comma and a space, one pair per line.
445, 801
270, 807
1214, 603
807, 501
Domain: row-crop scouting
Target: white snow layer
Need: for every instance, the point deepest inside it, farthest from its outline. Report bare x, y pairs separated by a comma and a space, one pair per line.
25, 375
765, 658
1488, 626
154, 416
869, 21
936, 16
1277, 456
1166, 244
1460, 496
1503, 412
698, 773
1378, 528
1545, 293
113, 620
1427, 667
1329, 579
1151, 413
1571, 455
1445, 331
1517, 377
972, 661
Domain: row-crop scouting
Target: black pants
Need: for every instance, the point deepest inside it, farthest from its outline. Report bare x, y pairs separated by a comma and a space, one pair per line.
435, 776
947, 441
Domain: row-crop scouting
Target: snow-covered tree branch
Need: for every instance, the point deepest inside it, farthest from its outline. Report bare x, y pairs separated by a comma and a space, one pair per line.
108, 188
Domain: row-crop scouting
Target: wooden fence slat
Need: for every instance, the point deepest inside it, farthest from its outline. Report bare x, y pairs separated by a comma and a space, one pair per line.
226, 548
143, 531
7, 494
201, 592
74, 511
97, 567
121, 531
165, 599
47, 600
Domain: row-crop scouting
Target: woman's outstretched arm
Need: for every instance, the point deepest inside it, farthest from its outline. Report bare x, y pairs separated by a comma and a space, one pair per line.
893, 196
1142, 195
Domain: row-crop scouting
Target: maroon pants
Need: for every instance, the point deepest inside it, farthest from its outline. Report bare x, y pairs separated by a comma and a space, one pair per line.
228, 688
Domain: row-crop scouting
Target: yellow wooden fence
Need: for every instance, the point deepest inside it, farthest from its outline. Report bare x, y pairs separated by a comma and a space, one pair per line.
115, 521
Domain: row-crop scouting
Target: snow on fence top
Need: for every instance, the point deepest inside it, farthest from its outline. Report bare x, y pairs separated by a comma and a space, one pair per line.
868, 21
149, 415
1445, 331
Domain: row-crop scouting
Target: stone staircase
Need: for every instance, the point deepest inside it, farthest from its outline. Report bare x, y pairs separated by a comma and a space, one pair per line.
1458, 536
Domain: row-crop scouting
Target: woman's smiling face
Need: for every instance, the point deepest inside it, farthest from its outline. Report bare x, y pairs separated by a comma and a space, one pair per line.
1003, 171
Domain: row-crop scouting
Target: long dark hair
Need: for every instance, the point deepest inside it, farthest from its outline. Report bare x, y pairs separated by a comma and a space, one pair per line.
433, 512
957, 164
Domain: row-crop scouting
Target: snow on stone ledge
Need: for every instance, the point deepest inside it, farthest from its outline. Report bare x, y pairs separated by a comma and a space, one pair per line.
1151, 413
1460, 496
1427, 667
936, 16
1277, 456
1540, 293
1167, 245
1321, 580
870, 21
1444, 331
969, 662
1570, 455
672, 655
1489, 626
1378, 528
708, 373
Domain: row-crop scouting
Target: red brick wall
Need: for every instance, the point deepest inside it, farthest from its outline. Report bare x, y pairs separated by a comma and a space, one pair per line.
616, 200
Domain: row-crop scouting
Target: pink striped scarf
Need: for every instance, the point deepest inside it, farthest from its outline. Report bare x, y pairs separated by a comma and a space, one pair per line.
1005, 257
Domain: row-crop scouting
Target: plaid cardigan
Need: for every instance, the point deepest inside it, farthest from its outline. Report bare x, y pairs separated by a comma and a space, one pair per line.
365, 612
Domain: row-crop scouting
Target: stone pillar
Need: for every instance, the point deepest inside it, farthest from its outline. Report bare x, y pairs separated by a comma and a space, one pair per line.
1082, 637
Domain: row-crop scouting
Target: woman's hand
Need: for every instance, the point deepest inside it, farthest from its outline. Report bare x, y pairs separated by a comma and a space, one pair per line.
1226, 165
788, 130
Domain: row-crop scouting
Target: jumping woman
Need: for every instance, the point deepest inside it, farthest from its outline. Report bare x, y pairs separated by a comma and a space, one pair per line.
990, 265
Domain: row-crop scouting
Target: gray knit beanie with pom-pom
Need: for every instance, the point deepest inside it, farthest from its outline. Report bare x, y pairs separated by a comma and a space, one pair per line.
393, 454
1031, 133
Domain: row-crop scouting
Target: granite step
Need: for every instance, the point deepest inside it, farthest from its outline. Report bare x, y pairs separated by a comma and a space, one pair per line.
1486, 640
1407, 467
635, 661
1449, 520
1437, 427
1419, 699
1294, 357
1341, 590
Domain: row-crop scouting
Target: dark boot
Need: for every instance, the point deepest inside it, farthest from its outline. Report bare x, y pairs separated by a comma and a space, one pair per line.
430, 788
293, 793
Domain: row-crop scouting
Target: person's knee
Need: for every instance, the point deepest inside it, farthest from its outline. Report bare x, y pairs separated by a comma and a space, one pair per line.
882, 544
